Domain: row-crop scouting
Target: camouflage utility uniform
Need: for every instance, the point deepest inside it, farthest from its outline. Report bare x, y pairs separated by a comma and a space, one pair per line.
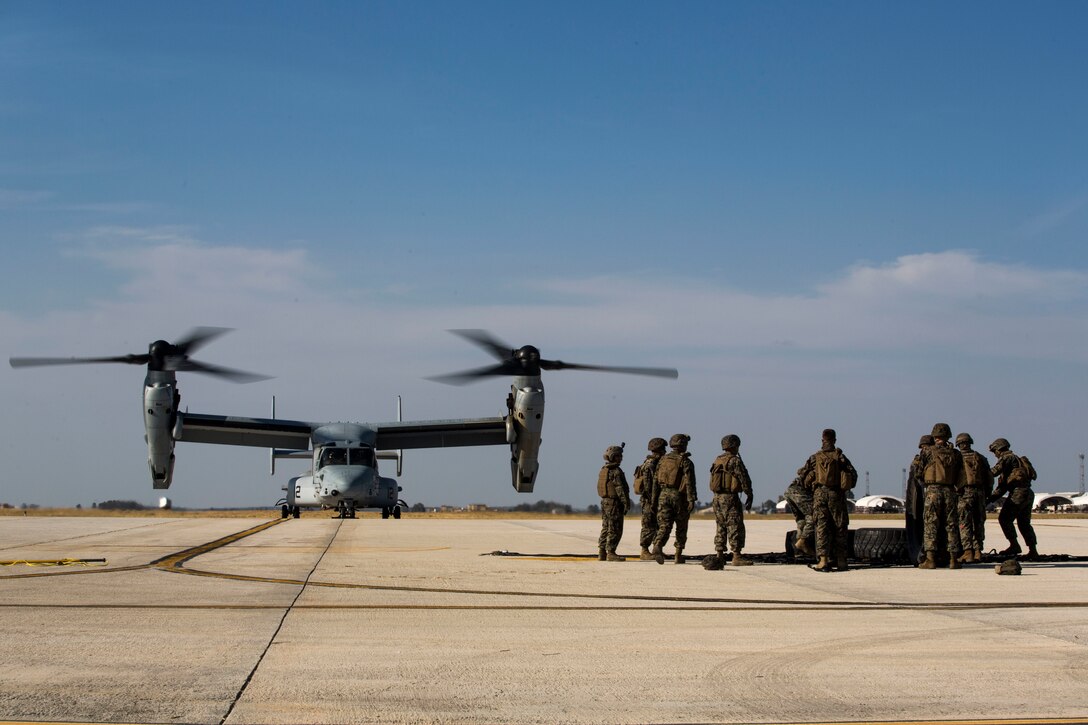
729, 478
1009, 472
942, 472
644, 479
799, 497
831, 475
914, 474
977, 485
615, 502
676, 497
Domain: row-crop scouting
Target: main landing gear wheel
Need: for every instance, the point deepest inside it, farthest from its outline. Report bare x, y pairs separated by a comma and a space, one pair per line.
396, 512
285, 511
385, 512
295, 512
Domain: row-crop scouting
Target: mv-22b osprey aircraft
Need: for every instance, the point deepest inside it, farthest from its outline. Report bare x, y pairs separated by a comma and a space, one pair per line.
344, 456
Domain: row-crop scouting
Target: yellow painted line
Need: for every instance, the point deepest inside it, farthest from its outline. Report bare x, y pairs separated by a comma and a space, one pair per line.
174, 561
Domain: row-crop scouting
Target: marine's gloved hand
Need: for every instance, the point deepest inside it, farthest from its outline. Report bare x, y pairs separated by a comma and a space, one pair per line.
748, 502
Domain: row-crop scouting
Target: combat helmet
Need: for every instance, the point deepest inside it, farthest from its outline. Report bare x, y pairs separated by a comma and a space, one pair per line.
964, 438
613, 454
999, 445
656, 445
828, 435
679, 441
730, 441
925, 441
942, 431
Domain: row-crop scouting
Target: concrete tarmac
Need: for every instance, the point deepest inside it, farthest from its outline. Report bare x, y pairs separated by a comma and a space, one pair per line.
411, 621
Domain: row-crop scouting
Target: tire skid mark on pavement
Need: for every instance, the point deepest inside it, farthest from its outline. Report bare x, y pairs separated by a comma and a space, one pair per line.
95, 533
753, 606
168, 562
980, 721
175, 564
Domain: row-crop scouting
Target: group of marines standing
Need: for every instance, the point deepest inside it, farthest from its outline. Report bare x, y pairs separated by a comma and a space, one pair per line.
958, 485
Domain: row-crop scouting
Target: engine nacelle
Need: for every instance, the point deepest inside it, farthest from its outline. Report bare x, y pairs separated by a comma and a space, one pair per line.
523, 426
301, 491
160, 414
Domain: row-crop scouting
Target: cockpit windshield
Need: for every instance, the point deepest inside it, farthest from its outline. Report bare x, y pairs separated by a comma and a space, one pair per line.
333, 457
362, 456
346, 456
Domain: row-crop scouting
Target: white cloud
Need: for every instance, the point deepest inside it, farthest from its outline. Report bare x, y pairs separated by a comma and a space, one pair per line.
1054, 217
880, 352
13, 198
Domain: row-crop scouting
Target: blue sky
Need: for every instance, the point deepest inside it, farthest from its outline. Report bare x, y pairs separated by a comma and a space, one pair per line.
868, 216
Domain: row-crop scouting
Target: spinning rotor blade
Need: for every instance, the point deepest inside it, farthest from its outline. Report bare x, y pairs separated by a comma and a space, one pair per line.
470, 376
161, 355
499, 349
654, 372
526, 360
198, 337
235, 376
30, 362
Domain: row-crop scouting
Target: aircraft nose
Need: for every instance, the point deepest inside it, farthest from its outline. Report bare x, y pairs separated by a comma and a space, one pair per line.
346, 481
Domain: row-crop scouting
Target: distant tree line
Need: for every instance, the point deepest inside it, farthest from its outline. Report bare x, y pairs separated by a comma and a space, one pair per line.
544, 507
121, 506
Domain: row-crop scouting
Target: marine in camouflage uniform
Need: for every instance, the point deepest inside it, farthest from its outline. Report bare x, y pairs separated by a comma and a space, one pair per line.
799, 497
728, 479
942, 473
645, 479
1009, 472
915, 472
615, 503
978, 484
826, 471
676, 497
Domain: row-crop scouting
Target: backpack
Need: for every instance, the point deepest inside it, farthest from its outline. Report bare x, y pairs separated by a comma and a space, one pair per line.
1024, 472
848, 477
669, 471
941, 467
828, 468
602, 482
642, 474
972, 476
718, 477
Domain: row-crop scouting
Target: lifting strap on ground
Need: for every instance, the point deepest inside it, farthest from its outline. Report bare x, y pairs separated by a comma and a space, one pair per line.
54, 562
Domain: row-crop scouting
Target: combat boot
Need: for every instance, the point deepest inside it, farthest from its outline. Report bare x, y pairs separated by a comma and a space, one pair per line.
968, 556
645, 555
822, 564
613, 556
841, 563
803, 546
1033, 553
954, 562
659, 555
602, 555
1013, 550
679, 558
738, 560
929, 563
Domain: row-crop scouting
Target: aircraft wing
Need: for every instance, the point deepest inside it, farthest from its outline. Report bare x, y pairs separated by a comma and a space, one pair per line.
440, 433
239, 431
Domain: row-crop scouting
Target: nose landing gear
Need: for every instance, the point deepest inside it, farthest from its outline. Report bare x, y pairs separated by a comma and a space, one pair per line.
345, 510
